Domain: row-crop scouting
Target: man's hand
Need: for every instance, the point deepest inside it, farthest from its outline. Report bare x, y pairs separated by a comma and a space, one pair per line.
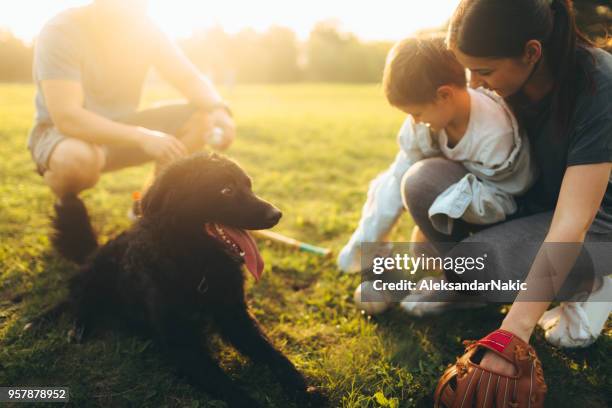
161, 146
222, 119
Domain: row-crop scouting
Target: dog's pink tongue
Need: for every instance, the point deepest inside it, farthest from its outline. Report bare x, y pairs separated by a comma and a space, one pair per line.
252, 257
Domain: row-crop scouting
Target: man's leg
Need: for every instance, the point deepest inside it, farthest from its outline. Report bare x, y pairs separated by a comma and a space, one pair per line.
73, 166
70, 165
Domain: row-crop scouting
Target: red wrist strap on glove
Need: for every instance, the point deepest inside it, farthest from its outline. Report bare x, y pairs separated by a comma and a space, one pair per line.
466, 384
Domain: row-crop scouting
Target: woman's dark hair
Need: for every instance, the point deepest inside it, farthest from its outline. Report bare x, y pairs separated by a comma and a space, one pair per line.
501, 28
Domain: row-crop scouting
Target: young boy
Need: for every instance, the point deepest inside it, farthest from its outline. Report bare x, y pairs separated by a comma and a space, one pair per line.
445, 118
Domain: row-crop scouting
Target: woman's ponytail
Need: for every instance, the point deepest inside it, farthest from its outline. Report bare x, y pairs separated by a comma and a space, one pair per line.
561, 51
501, 28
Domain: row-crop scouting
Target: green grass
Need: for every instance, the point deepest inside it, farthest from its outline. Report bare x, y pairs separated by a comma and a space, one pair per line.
311, 150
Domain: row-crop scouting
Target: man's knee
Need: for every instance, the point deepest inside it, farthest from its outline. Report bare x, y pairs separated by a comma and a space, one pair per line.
76, 164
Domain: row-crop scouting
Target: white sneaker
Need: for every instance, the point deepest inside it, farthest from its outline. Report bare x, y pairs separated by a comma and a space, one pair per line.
578, 324
420, 303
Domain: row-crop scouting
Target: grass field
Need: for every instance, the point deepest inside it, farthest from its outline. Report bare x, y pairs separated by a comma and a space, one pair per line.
311, 150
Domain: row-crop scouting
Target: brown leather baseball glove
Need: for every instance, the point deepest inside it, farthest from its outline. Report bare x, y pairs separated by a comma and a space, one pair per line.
466, 384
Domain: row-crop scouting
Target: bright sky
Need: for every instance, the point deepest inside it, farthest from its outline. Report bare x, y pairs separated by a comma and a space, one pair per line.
379, 19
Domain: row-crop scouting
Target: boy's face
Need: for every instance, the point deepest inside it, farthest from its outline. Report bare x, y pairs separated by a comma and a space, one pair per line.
436, 114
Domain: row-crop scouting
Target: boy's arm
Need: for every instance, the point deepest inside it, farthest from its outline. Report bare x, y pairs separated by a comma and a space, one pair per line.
486, 194
500, 169
383, 205
473, 201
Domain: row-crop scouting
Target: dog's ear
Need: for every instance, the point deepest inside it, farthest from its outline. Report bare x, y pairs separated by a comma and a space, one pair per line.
157, 199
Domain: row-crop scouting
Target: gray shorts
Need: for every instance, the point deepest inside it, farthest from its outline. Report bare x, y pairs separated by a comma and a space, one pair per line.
167, 118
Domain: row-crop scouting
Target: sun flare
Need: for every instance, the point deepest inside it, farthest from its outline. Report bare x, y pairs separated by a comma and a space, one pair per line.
384, 19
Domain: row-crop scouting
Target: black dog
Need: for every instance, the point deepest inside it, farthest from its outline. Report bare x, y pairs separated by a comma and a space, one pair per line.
179, 266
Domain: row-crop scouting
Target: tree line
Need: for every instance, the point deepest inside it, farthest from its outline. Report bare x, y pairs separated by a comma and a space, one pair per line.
273, 56
277, 56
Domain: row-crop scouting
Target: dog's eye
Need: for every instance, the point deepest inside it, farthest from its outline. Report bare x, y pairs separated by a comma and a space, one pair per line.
227, 191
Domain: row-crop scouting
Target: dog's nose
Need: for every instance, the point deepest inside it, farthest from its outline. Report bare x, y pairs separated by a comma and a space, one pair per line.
273, 215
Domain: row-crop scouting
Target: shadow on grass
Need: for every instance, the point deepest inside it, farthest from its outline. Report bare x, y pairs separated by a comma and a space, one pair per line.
116, 365
426, 346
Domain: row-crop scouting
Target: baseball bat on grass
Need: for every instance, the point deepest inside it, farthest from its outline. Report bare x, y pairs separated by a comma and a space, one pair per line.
291, 242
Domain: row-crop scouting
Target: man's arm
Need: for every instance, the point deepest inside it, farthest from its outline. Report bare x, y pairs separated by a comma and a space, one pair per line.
64, 99
179, 71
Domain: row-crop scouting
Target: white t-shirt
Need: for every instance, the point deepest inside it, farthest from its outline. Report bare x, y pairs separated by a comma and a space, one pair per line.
489, 138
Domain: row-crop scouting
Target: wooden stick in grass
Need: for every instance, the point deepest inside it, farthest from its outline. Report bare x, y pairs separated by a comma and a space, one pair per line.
294, 243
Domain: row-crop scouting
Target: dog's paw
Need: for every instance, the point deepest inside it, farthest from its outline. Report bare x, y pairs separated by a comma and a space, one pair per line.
293, 382
296, 387
240, 399
77, 333
312, 397
33, 326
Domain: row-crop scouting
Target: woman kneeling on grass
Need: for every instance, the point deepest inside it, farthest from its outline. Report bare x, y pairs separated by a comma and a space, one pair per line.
560, 87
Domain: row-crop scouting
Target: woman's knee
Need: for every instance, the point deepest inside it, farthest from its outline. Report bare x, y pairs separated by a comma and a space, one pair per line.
426, 180
76, 164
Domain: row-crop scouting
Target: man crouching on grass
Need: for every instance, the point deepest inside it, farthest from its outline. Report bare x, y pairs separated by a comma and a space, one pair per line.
90, 64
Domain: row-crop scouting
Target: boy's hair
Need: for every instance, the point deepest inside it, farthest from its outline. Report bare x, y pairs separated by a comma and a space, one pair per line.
416, 68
